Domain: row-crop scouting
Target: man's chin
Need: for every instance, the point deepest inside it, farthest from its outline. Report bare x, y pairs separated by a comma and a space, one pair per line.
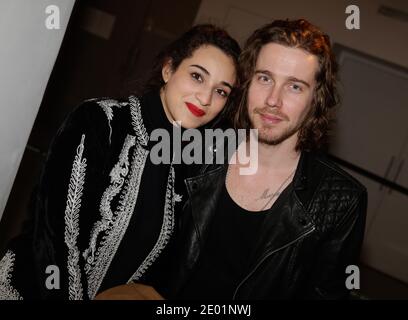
269, 141
273, 140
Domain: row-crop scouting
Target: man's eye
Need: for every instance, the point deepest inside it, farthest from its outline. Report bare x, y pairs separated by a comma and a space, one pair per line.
222, 93
196, 76
296, 88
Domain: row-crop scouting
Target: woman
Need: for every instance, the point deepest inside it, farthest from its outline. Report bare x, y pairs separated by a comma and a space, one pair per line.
104, 211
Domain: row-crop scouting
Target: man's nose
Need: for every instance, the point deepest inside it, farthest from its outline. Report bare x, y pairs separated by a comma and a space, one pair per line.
274, 98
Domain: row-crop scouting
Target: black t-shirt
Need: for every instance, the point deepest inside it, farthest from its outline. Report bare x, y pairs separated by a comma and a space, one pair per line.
226, 255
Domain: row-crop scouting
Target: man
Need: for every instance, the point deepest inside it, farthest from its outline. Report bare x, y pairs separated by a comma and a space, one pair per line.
291, 229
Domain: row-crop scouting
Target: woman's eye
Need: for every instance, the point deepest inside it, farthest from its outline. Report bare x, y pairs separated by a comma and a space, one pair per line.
196, 76
222, 93
263, 78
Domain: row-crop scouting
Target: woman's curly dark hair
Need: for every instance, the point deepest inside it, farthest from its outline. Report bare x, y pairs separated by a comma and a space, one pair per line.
184, 47
296, 34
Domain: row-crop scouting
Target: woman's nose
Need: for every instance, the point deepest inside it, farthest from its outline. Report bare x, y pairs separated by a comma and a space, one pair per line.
204, 97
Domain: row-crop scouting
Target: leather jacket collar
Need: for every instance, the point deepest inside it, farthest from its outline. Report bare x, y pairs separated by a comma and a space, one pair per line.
286, 226
302, 248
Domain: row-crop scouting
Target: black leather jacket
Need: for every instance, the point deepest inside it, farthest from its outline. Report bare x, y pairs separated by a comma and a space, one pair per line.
304, 249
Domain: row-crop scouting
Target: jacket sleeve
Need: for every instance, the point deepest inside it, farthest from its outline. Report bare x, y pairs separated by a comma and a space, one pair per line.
340, 250
43, 242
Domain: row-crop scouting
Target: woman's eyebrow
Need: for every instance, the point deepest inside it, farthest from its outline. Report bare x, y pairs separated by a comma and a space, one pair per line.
226, 84
208, 73
200, 67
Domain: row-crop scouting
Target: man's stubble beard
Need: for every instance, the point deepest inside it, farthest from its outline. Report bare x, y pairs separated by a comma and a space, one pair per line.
289, 132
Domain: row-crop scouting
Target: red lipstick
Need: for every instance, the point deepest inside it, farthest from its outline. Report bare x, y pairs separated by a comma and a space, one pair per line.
195, 110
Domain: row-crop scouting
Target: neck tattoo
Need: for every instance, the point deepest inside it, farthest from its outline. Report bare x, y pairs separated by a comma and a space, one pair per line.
275, 194
266, 195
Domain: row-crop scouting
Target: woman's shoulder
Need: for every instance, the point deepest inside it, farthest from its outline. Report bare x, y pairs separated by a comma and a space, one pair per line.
106, 115
105, 108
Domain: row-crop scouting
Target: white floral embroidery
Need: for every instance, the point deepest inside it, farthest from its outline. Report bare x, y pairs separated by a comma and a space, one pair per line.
166, 229
107, 105
108, 232
118, 175
178, 197
125, 183
7, 292
112, 237
71, 233
137, 121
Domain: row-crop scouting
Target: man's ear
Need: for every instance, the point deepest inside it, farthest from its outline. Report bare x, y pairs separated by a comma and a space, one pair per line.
167, 70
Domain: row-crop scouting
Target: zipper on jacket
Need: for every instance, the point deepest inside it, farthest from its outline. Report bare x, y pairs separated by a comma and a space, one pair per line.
268, 255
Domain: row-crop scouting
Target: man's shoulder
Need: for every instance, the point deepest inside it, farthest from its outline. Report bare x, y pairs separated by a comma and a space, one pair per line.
335, 194
337, 176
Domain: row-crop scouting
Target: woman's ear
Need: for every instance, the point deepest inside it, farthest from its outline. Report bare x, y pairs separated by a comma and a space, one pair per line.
167, 70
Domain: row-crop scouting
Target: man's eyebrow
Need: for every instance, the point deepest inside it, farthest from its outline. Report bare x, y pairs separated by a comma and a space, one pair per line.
208, 73
294, 79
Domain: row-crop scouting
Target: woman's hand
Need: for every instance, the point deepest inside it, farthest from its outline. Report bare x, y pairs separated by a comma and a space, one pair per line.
130, 291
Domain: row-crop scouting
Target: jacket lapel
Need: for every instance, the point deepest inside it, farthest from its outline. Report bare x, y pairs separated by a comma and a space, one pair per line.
285, 225
204, 192
288, 223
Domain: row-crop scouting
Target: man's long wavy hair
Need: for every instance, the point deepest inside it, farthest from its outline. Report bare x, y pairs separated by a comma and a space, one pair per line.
295, 34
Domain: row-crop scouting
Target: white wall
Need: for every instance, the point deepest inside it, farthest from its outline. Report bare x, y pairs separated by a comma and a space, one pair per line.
379, 36
28, 51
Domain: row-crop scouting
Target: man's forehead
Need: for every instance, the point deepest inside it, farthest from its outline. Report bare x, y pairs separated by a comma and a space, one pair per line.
289, 61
